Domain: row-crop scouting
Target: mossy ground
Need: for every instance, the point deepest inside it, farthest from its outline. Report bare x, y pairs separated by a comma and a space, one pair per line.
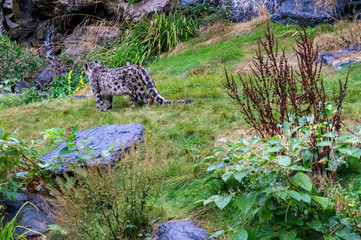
183, 134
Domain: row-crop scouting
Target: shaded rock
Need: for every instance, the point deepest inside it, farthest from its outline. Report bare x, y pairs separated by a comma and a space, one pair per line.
305, 12
20, 86
45, 77
32, 218
102, 137
87, 38
180, 230
2, 19
342, 58
141, 9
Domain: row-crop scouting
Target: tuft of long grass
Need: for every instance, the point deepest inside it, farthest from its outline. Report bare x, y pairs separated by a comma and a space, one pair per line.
145, 41
8, 231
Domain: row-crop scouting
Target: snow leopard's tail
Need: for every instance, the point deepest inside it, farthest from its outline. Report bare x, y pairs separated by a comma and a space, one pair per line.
153, 92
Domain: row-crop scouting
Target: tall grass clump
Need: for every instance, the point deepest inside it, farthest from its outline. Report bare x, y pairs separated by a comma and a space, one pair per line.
17, 62
146, 40
113, 202
8, 231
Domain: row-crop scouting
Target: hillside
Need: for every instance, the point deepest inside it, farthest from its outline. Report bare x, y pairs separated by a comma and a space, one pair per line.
177, 137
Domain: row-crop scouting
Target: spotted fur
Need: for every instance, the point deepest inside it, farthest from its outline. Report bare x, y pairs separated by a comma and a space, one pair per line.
130, 79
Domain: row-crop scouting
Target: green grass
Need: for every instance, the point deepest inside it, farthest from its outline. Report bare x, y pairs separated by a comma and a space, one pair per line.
183, 134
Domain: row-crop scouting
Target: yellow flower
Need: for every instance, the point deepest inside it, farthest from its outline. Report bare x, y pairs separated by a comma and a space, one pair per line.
69, 80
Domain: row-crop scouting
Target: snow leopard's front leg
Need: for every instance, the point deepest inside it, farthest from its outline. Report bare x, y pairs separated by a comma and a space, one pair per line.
99, 101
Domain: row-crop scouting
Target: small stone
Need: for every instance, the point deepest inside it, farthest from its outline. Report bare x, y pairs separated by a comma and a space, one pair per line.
180, 230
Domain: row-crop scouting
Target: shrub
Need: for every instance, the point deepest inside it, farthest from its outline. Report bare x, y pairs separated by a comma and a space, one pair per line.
269, 183
276, 93
207, 12
17, 62
144, 41
20, 166
66, 85
109, 202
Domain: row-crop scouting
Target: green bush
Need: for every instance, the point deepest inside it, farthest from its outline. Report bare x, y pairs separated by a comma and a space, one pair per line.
146, 40
66, 85
271, 185
17, 62
109, 202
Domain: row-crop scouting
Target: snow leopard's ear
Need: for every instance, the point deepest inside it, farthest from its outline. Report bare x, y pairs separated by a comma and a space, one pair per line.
96, 61
85, 65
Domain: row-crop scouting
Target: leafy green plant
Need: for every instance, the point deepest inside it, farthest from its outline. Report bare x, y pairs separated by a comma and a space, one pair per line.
207, 12
108, 202
17, 62
8, 231
20, 165
10, 100
67, 84
271, 185
146, 40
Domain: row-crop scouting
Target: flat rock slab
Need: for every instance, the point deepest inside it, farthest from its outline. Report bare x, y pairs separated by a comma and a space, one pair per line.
180, 230
124, 136
342, 58
30, 217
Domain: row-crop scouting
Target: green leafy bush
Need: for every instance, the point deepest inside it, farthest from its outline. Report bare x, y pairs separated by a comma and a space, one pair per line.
20, 166
109, 202
271, 185
146, 40
17, 62
66, 85
207, 12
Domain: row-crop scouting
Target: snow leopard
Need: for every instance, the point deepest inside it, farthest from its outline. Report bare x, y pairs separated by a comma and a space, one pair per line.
130, 79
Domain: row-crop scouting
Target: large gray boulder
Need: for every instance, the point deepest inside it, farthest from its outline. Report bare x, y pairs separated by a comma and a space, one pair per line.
314, 12
141, 9
180, 230
124, 136
244, 10
30, 217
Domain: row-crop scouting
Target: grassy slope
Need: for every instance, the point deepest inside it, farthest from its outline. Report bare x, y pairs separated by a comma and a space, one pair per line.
182, 134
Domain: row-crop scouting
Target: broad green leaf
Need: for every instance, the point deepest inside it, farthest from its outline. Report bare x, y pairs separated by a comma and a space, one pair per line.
226, 176
239, 235
282, 194
345, 127
329, 134
245, 203
239, 176
347, 234
215, 166
284, 160
216, 234
266, 232
222, 201
323, 201
13, 196
277, 148
287, 235
305, 197
65, 150
295, 195
326, 143
299, 168
317, 225
347, 135
303, 181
